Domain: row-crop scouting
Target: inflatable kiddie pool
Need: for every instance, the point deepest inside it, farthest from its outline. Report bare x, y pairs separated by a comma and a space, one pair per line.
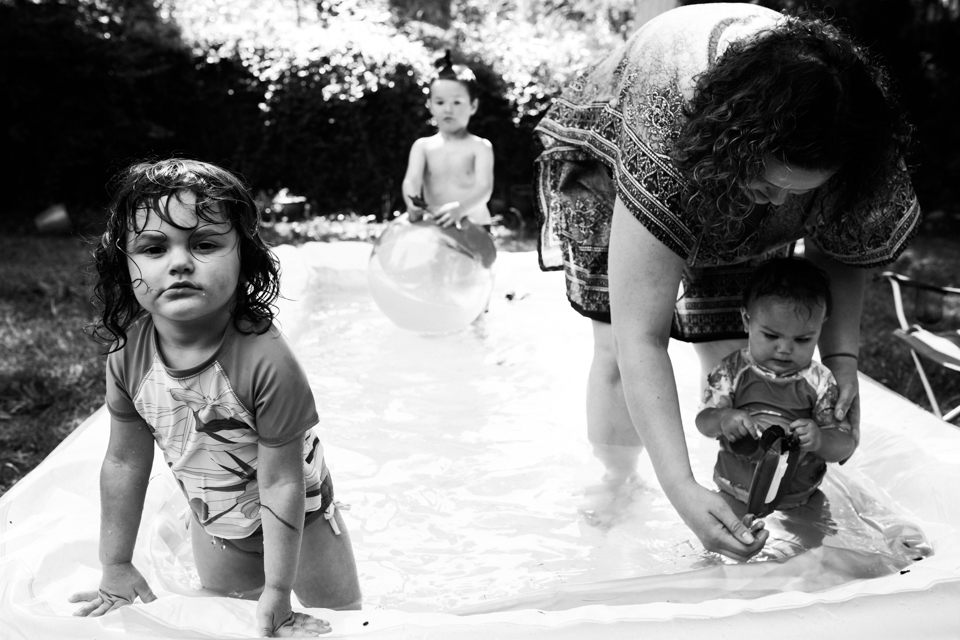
463, 460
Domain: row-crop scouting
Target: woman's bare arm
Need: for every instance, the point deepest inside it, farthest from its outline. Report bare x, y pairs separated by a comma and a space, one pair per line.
644, 281
840, 339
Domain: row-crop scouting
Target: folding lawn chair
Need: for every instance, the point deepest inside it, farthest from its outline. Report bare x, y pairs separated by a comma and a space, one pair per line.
926, 336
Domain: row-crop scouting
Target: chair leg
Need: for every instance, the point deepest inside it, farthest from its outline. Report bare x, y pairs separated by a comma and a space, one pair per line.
953, 413
934, 405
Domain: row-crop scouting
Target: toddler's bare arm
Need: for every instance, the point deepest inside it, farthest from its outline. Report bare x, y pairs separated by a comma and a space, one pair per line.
413, 180
123, 486
280, 473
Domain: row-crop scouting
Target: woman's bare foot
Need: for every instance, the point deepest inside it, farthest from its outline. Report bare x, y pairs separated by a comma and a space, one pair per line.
606, 502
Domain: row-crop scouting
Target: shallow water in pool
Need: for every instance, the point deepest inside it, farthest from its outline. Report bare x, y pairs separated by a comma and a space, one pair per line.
463, 457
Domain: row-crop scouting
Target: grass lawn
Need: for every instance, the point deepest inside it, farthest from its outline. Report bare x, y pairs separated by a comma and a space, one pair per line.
52, 373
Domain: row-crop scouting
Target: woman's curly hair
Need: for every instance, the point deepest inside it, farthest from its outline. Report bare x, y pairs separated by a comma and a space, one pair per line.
219, 195
803, 93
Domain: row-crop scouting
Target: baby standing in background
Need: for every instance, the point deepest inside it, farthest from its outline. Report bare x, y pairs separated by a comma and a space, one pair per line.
196, 365
775, 381
450, 174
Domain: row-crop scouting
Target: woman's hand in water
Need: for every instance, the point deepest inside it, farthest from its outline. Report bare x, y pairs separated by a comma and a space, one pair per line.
715, 523
120, 585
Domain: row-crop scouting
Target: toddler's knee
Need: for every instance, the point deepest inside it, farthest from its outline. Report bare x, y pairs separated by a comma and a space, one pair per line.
340, 602
356, 605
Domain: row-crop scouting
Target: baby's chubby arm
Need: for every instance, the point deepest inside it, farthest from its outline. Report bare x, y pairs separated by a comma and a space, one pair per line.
832, 443
413, 180
733, 424
123, 485
837, 439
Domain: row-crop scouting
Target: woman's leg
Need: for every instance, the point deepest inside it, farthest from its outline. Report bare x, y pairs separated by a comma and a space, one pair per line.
609, 427
327, 573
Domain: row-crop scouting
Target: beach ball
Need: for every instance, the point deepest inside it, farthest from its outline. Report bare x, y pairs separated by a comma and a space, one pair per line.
432, 279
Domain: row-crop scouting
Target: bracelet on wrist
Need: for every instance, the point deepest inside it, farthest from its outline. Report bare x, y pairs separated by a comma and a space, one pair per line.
839, 354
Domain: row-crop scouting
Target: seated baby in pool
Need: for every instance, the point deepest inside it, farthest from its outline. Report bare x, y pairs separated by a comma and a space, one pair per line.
775, 381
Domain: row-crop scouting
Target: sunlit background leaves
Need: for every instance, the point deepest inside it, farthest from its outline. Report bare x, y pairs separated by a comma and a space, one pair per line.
325, 97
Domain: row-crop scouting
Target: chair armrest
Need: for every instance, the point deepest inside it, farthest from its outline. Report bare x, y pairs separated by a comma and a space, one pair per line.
916, 284
944, 349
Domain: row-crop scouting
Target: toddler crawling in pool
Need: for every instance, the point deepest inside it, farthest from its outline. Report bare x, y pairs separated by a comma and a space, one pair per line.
775, 381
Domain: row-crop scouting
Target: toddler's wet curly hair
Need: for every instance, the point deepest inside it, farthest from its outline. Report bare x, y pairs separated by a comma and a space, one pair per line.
220, 195
803, 93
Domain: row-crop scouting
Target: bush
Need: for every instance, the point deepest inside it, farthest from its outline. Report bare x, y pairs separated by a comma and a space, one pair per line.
341, 153
325, 104
326, 98
90, 91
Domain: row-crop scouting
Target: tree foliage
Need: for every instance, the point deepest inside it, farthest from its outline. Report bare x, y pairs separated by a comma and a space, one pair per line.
325, 97
93, 86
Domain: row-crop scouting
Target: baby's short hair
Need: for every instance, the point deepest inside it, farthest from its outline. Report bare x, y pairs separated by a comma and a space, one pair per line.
796, 280
446, 70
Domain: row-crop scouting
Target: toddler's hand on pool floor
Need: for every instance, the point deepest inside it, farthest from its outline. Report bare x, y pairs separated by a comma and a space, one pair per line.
276, 620
302, 625
120, 585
